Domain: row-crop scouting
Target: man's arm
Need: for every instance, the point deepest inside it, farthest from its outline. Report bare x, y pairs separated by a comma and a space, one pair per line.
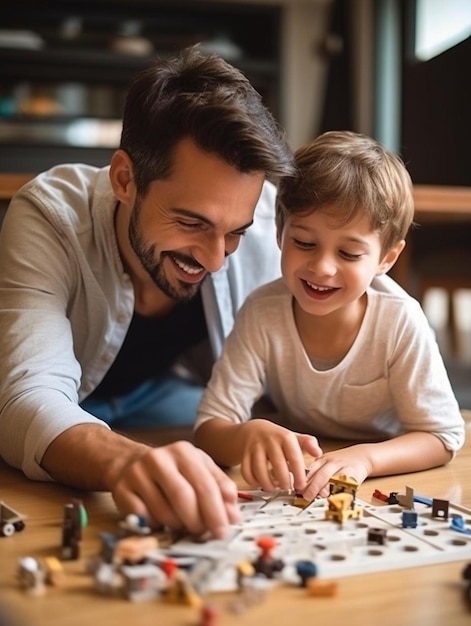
176, 485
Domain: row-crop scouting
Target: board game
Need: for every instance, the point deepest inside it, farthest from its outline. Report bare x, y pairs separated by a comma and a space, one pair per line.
337, 549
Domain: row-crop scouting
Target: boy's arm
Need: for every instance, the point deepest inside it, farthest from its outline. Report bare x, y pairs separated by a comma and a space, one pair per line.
411, 452
270, 455
221, 440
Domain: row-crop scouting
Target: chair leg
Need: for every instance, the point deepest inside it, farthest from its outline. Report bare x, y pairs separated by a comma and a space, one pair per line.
452, 326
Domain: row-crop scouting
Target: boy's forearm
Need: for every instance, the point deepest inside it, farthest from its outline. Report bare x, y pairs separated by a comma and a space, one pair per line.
412, 452
221, 440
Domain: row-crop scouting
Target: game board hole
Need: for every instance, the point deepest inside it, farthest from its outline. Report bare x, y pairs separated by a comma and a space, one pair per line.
310, 531
458, 542
361, 525
337, 557
396, 509
319, 546
374, 553
393, 538
410, 548
431, 533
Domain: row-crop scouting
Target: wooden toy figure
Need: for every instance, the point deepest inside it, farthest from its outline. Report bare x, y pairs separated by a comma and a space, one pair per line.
265, 564
75, 518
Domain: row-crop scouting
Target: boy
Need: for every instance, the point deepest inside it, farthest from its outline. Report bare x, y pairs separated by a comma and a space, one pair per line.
340, 349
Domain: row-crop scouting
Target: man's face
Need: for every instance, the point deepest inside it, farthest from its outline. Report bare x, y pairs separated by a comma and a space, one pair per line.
188, 223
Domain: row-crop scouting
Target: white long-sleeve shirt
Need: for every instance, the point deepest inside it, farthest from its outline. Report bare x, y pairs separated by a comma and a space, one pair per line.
66, 302
391, 381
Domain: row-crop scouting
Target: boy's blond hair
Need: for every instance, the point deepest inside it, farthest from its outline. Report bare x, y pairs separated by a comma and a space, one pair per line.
343, 172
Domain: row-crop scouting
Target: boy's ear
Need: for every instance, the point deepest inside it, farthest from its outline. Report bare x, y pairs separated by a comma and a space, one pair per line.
122, 177
390, 257
278, 236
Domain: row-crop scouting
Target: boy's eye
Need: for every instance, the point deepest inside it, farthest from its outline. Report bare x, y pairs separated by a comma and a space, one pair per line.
349, 256
304, 245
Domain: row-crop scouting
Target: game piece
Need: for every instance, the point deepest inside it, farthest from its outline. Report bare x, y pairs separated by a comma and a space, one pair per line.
10, 521
305, 571
321, 588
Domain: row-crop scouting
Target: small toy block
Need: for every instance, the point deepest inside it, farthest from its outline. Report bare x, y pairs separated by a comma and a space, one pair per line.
380, 496
10, 521
55, 575
265, 564
440, 508
321, 588
341, 507
209, 615
180, 591
143, 582
31, 575
409, 519
244, 570
133, 549
305, 570
135, 525
377, 535
423, 500
300, 501
406, 500
466, 574
341, 483
457, 523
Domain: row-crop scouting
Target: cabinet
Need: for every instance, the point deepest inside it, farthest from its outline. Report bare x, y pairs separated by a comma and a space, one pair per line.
65, 66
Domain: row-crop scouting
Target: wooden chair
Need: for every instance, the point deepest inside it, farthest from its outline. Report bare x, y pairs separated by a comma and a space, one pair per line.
10, 183
443, 258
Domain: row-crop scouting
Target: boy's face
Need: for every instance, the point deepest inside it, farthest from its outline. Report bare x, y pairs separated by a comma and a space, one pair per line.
328, 264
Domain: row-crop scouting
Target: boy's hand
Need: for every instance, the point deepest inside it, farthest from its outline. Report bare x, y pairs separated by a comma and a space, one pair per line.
273, 456
352, 461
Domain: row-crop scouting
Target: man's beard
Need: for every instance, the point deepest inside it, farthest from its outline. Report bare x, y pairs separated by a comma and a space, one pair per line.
146, 255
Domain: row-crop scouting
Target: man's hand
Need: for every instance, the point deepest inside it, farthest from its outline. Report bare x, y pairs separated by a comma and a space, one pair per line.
179, 486
273, 456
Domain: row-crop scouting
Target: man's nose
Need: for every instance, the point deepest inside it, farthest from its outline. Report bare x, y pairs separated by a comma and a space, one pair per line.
212, 253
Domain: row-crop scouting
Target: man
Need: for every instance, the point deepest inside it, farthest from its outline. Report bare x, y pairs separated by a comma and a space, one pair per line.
108, 276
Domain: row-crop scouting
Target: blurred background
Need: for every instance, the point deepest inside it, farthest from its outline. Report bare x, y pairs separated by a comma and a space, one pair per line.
394, 69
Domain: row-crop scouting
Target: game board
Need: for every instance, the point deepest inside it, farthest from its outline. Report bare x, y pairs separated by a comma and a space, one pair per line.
337, 550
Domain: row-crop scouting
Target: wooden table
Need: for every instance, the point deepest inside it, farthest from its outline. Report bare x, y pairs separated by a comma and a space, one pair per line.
436, 206
426, 595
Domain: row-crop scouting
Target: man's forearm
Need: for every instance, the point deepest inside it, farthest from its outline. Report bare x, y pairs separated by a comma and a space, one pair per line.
91, 457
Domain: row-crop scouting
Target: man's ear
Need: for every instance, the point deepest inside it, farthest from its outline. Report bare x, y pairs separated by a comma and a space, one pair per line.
391, 257
122, 177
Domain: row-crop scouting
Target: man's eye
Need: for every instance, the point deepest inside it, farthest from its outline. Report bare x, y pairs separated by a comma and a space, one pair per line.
190, 225
239, 233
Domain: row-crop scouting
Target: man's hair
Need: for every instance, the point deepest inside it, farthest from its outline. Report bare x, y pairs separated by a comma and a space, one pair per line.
345, 173
202, 97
